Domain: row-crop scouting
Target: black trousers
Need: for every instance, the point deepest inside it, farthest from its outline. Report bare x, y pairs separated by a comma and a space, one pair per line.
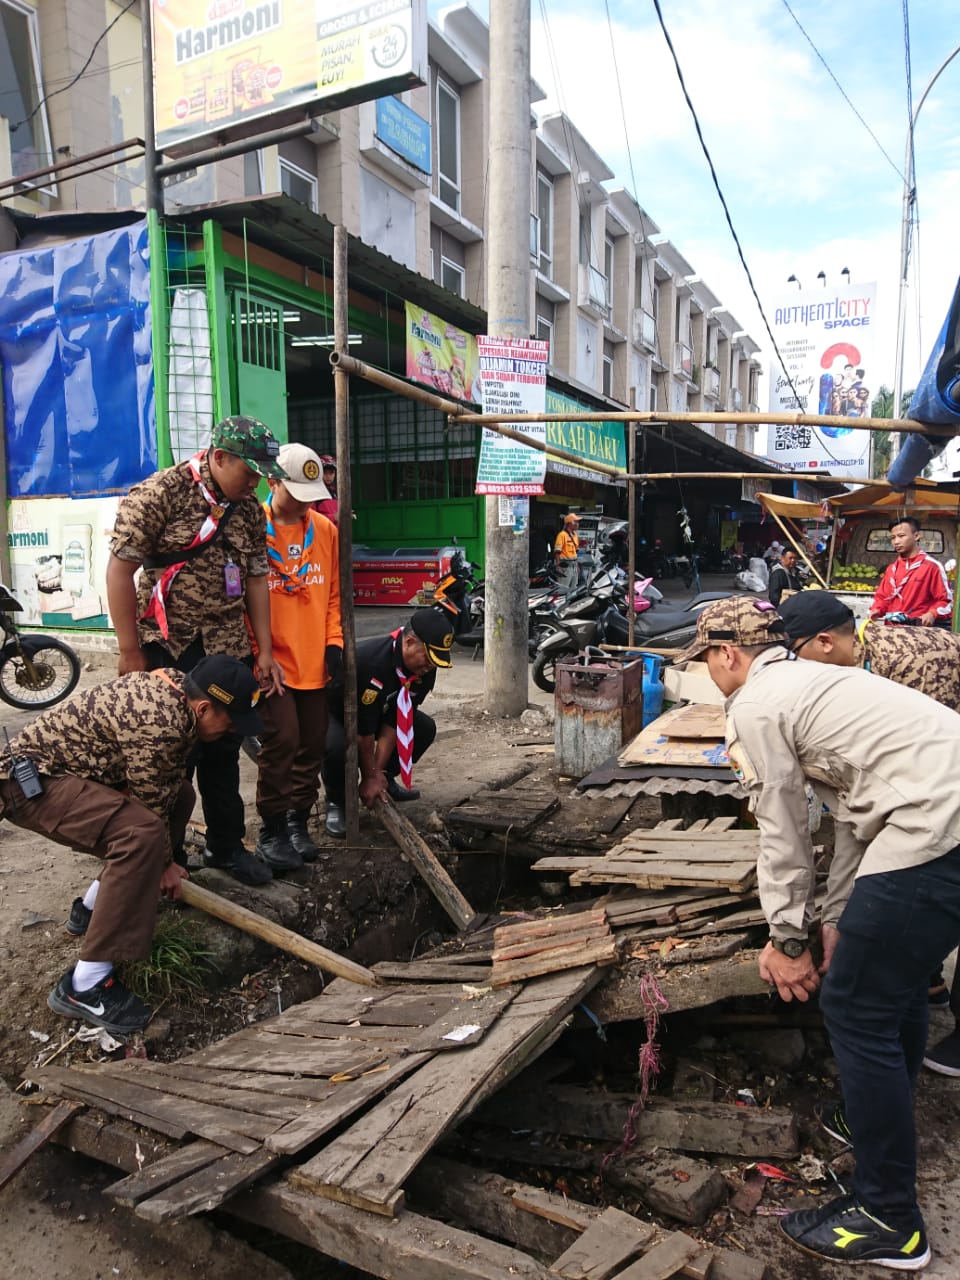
217, 764
335, 758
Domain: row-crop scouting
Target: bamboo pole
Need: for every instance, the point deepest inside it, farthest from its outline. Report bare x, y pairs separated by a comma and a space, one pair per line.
695, 419
833, 548
797, 548
341, 386
194, 895
390, 382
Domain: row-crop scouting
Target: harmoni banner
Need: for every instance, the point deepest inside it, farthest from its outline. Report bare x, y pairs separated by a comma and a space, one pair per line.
826, 338
440, 355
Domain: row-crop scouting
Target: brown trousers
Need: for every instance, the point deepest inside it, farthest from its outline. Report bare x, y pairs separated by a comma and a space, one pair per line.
291, 750
130, 838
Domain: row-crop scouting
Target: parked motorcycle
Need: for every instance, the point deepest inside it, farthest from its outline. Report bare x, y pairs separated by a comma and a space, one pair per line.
35, 671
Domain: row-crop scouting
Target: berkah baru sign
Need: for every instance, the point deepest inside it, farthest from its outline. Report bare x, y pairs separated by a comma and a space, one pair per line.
513, 380
233, 68
826, 338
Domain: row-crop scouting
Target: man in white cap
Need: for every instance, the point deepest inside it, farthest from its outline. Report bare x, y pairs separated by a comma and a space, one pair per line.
304, 585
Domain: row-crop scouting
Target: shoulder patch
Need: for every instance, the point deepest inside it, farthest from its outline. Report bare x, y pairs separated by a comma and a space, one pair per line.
368, 697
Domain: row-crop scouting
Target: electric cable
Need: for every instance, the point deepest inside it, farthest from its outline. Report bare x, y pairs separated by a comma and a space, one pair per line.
69, 85
623, 113
843, 92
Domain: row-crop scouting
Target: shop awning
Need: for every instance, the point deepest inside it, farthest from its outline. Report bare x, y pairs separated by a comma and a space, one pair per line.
926, 497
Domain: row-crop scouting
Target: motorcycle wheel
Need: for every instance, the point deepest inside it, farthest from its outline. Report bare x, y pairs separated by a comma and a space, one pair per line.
544, 675
56, 670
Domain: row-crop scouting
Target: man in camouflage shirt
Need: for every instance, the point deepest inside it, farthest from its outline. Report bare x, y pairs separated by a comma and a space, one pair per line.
199, 535
112, 768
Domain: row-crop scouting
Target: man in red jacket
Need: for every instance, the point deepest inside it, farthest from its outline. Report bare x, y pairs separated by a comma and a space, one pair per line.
914, 584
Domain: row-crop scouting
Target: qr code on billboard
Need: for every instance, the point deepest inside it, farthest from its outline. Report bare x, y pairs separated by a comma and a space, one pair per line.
793, 438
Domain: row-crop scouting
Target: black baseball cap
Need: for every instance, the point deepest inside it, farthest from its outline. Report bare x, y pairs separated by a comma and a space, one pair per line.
434, 629
809, 612
230, 684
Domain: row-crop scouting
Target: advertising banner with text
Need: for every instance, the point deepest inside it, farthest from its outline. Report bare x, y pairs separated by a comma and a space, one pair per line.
441, 356
826, 338
237, 67
513, 379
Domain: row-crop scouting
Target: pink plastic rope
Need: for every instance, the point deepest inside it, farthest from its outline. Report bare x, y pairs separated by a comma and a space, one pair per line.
655, 1004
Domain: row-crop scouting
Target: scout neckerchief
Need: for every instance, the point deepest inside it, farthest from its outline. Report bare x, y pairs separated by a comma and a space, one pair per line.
157, 608
293, 575
404, 721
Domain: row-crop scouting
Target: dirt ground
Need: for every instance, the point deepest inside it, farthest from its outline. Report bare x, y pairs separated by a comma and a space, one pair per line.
53, 1218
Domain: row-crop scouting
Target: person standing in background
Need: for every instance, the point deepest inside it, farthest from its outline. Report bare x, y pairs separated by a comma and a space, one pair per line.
565, 550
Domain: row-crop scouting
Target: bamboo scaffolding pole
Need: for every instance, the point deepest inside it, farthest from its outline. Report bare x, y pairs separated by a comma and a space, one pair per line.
669, 419
798, 548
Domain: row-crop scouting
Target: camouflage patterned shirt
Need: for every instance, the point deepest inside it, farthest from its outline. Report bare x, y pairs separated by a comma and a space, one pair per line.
134, 732
923, 658
163, 514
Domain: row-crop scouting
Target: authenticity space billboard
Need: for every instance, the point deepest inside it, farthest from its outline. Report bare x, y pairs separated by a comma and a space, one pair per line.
826, 338
234, 68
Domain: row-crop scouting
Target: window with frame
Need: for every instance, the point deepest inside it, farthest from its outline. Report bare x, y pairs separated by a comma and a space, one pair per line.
453, 277
545, 334
448, 145
22, 92
609, 259
607, 371
298, 184
585, 230
653, 399
545, 215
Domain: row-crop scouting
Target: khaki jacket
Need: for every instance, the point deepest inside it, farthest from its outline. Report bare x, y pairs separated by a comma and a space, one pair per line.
884, 759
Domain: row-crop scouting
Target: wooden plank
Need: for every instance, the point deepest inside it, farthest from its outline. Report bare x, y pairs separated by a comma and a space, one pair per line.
163, 1173
371, 1160
664, 1259
604, 952
508, 810
618, 999
613, 1239
412, 1007
308, 1089
53, 1120
290, 1025
714, 1127
237, 1130
428, 865
555, 1208
147, 1077
295, 1055
207, 1188
432, 971
514, 950
170, 1128
232, 913
447, 1033
482, 1201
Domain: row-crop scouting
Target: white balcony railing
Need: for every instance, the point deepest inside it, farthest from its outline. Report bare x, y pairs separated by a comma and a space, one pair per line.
594, 290
683, 359
644, 329
711, 383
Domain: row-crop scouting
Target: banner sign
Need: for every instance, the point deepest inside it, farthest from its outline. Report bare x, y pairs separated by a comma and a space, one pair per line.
404, 132
440, 355
826, 338
237, 67
513, 379
594, 441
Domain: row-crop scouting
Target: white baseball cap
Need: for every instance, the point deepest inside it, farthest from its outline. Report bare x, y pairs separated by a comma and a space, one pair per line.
304, 479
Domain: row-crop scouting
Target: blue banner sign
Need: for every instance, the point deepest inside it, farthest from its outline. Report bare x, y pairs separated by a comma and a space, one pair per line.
404, 132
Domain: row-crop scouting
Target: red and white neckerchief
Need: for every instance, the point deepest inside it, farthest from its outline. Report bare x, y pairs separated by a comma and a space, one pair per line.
157, 607
405, 724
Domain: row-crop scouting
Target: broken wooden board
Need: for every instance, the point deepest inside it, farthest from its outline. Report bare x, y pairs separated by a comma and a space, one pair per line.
664, 1259
515, 809
439, 970
683, 986
653, 747
367, 1165
698, 1127
565, 940
51, 1122
607, 1245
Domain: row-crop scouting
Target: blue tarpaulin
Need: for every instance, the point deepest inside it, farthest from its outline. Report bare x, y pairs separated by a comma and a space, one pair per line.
76, 355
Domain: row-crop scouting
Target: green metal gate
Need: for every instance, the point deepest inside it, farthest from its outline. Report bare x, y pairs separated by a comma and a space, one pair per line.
261, 367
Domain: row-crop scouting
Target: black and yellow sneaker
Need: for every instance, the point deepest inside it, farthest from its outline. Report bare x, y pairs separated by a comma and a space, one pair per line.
109, 1005
843, 1231
833, 1120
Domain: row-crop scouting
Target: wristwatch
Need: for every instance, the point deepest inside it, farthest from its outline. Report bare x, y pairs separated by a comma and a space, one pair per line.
792, 948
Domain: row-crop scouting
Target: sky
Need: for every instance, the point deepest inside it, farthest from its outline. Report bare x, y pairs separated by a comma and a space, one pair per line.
808, 188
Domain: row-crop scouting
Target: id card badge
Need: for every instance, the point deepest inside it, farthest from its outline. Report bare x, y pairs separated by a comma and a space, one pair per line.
232, 581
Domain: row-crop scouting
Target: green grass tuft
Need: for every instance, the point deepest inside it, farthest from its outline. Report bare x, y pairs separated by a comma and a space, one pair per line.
178, 961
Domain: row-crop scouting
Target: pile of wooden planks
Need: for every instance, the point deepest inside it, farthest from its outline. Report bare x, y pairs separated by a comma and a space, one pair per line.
711, 857
529, 948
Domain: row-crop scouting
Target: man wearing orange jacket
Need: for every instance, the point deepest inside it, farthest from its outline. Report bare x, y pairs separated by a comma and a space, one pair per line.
304, 585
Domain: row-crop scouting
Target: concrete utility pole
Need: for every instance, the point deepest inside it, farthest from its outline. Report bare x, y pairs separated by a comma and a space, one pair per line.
508, 316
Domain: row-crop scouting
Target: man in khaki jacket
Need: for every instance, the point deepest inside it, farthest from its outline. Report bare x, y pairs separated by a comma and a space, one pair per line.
884, 759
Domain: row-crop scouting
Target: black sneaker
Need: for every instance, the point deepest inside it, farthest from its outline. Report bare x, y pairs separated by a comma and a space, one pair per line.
79, 918
844, 1232
399, 793
833, 1120
944, 1057
109, 1005
298, 833
274, 846
241, 864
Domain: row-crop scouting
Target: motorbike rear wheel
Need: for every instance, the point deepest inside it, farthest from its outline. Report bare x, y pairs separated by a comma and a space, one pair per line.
544, 672
54, 674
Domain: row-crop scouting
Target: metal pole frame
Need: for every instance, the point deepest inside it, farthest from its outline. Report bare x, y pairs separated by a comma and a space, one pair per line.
341, 386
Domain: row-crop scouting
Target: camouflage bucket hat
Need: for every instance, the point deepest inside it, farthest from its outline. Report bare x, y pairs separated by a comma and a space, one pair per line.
251, 440
741, 620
